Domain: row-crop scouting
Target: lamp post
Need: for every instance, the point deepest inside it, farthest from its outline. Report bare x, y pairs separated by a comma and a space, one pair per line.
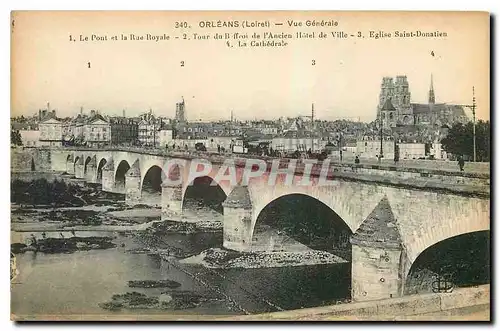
473, 109
312, 128
381, 154
340, 145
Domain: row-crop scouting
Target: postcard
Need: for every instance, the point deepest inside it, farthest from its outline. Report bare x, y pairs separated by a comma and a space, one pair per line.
250, 165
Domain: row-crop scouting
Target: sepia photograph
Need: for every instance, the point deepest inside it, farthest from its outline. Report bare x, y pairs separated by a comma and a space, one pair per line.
250, 166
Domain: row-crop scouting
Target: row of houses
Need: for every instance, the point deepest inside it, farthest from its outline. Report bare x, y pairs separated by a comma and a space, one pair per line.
96, 130
406, 150
290, 135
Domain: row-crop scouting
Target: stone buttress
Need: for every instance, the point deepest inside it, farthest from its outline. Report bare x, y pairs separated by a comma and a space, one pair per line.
378, 256
237, 219
133, 185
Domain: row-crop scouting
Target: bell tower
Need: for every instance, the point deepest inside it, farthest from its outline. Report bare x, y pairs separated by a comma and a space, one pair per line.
386, 92
432, 97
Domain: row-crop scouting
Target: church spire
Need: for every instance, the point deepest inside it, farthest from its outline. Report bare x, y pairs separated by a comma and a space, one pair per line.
432, 98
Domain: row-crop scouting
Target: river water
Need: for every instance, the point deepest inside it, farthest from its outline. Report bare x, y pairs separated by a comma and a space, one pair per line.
63, 284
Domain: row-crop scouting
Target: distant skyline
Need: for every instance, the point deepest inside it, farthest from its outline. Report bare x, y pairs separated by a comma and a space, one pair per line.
253, 83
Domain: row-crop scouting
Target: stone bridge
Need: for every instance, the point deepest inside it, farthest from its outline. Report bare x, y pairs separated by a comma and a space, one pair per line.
393, 214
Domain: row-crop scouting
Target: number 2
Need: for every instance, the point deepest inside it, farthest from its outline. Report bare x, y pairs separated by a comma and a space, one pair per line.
182, 63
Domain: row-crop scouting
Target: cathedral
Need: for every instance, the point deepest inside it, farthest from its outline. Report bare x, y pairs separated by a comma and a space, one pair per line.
395, 107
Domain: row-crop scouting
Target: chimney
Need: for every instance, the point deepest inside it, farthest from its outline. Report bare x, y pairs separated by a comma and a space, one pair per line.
54, 112
92, 113
124, 113
39, 114
81, 110
48, 106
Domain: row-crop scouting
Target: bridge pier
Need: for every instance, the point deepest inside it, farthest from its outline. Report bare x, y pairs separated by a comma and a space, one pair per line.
80, 168
91, 175
171, 202
133, 186
108, 177
70, 166
379, 259
238, 220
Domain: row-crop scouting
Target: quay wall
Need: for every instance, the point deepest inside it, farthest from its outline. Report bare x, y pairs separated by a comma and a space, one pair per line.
388, 309
30, 159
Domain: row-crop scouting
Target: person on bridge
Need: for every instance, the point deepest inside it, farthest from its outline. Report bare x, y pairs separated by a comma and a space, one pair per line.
461, 162
356, 159
396, 154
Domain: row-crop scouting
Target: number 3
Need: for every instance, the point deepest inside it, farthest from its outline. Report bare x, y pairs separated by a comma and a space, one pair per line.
313, 62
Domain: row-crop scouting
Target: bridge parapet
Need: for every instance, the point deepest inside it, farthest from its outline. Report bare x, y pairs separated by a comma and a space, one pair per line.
419, 166
475, 183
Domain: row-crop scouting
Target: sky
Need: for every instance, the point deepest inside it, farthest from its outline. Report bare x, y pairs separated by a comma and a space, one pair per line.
252, 82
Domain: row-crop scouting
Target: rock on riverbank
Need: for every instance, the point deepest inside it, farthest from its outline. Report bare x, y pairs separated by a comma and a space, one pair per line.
64, 245
220, 258
166, 300
154, 283
186, 227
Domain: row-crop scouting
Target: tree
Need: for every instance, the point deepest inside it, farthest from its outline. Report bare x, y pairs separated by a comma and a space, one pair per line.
15, 138
459, 140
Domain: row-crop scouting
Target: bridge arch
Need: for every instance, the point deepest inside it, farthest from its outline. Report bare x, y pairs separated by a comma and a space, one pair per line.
76, 161
462, 260
100, 167
203, 192
151, 185
121, 171
352, 205
87, 161
427, 218
305, 219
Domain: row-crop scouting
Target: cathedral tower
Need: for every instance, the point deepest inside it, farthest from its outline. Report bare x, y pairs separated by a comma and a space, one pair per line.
401, 99
398, 92
386, 92
432, 98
